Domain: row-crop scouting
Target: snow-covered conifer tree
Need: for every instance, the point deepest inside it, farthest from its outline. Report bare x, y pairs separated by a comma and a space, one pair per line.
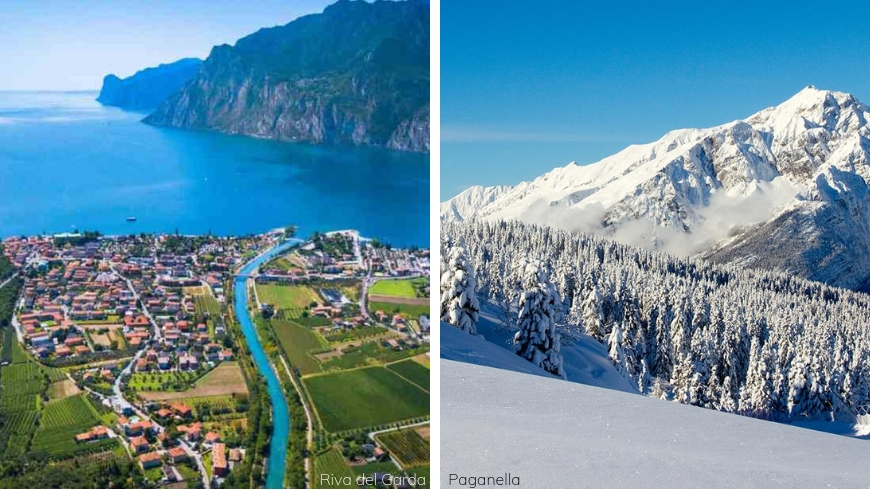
459, 305
537, 340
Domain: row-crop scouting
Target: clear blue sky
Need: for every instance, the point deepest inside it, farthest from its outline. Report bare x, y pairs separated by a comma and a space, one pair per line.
71, 45
527, 86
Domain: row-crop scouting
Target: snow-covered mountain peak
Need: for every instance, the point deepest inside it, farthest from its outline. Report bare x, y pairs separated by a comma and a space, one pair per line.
693, 188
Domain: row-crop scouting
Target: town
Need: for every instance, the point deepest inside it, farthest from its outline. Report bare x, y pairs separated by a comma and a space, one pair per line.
137, 333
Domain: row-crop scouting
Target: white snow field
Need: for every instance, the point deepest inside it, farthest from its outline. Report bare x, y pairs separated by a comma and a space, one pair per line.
501, 414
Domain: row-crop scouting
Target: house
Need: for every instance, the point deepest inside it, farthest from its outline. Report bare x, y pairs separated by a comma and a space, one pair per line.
178, 454
219, 459
164, 413
212, 437
193, 432
235, 455
181, 409
138, 444
163, 362
62, 351
150, 460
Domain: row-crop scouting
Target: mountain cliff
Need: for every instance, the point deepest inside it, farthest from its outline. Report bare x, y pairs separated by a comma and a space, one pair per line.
148, 88
358, 73
785, 188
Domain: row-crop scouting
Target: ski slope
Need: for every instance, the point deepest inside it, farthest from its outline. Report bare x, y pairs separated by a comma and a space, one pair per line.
502, 414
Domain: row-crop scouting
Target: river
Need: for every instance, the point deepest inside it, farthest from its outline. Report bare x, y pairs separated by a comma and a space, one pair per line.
280, 413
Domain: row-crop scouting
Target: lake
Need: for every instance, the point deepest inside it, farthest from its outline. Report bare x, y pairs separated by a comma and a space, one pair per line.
67, 162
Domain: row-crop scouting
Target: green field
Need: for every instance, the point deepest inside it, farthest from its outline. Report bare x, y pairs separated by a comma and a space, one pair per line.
208, 408
285, 297
206, 303
403, 288
413, 311
365, 398
60, 423
413, 371
368, 354
163, 381
406, 446
355, 333
332, 463
312, 321
297, 341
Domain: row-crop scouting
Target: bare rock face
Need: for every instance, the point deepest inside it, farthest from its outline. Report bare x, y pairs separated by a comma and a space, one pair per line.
357, 74
150, 87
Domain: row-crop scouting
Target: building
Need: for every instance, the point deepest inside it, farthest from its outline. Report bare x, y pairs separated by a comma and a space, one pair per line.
150, 460
219, 459
178, 454
139, 444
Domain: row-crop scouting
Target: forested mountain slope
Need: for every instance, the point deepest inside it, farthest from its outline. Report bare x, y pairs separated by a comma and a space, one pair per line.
723, 337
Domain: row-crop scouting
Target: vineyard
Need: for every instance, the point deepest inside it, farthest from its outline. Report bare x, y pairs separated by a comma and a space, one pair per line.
412, 371
406, 446
331, 463
206, 303
61, 422
21, 386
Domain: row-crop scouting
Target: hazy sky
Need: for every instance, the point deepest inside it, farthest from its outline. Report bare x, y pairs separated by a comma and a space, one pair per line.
72, 45
528, 86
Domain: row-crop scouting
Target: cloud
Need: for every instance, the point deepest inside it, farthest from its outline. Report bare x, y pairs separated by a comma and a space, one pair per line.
726, 215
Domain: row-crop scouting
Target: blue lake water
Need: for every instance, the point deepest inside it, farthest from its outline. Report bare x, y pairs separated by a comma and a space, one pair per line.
67, 162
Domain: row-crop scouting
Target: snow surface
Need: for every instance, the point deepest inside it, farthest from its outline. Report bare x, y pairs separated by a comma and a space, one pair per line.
558, 434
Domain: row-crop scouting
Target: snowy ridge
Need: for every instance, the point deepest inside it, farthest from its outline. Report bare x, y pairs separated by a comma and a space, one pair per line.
787, 174
466, 204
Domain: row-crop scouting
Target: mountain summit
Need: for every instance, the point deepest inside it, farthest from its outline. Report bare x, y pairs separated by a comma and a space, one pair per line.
785, 188
358, 73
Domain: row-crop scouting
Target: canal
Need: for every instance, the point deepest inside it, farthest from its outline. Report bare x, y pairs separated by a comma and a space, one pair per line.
280, 413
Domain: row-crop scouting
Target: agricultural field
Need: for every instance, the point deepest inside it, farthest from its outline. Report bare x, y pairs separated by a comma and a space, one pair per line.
163, 381
218, 407
22, 384
358, 333
311, 321
225, 379
413, 311
406, 446
412, 371
364, 398
287, 297
402, 288
62, 389
298, 341
368, 354
331, 463
206, 303
59, 424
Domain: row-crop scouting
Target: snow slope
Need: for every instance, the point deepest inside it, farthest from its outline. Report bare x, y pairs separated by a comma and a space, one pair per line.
585, 360
784, 188
557, 434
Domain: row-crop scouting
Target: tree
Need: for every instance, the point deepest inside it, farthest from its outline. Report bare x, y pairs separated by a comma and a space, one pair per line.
593, 314
537, 341
459, 305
